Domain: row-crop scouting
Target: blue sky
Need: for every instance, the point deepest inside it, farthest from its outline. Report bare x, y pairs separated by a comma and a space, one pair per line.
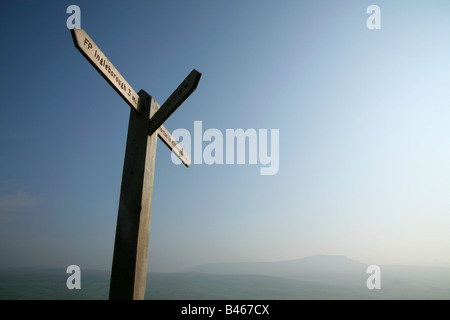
362, 115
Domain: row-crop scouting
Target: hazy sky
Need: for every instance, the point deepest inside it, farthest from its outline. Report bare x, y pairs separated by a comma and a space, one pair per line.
363, 118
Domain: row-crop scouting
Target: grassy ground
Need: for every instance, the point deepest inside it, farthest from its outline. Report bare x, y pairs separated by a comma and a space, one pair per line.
51, 285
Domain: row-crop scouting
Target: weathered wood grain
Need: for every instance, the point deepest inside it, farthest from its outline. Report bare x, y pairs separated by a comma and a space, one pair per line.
130, 259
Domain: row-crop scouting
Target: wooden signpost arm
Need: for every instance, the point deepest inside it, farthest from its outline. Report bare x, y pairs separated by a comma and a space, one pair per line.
101, 63
183, 91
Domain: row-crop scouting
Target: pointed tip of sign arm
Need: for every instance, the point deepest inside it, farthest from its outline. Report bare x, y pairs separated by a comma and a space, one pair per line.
173, 145
197, 75
74, 38
183, 91
184, 159
107, 70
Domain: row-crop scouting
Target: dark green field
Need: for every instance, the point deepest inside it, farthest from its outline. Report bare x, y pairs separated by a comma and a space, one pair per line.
34, 284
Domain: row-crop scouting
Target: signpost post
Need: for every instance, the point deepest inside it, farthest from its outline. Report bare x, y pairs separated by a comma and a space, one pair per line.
129, 266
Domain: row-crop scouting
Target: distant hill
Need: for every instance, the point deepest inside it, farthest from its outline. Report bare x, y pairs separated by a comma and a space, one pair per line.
323, 269
184, 286
346, 275
316, 265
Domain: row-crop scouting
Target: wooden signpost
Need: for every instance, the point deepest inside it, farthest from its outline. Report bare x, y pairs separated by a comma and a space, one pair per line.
130, 259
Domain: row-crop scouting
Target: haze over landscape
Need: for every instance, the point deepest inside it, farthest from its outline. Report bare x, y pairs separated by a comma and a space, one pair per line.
315, 277
364, 146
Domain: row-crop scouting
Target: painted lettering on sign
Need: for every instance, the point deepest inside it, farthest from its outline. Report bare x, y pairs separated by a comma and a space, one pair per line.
173, 145
98, 59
